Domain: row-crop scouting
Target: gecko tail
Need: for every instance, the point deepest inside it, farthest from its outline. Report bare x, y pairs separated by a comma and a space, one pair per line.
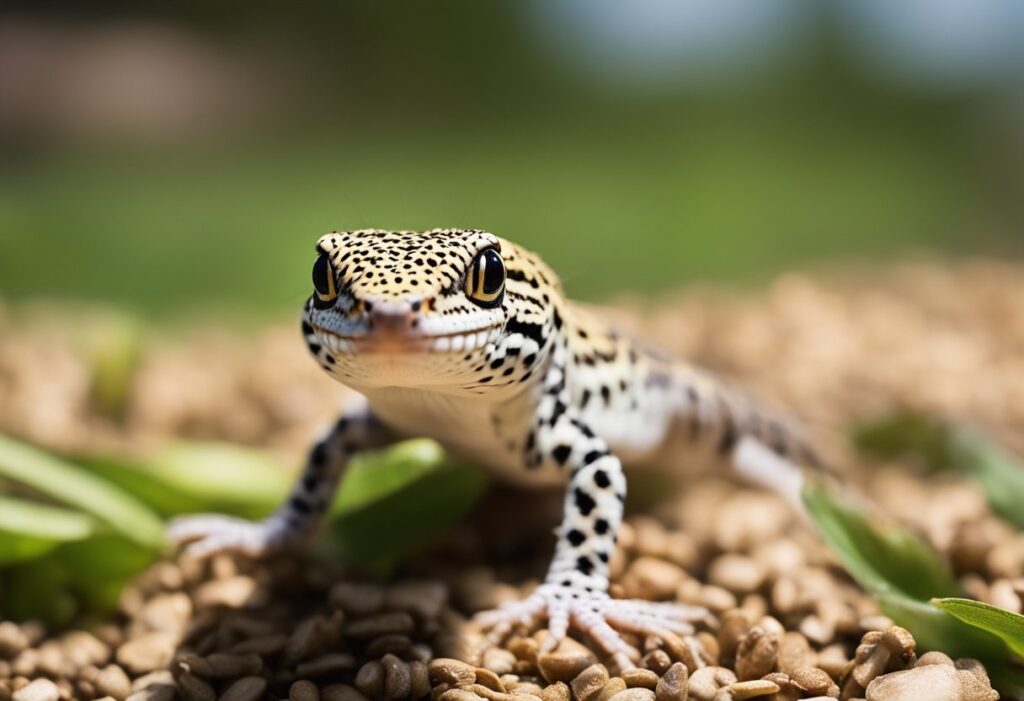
758, 464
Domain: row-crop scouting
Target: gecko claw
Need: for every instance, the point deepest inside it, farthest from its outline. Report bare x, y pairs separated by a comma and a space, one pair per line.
595, 614
204, 535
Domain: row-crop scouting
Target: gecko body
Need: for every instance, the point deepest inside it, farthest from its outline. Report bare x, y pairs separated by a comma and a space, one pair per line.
467, 338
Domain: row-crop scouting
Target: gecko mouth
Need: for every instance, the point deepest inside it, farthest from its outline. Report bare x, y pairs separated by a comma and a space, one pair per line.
392, 343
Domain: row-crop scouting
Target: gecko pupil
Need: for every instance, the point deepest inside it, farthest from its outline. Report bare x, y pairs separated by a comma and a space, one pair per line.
323, 277
486, 280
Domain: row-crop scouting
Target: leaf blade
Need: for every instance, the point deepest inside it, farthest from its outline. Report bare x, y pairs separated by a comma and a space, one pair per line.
1006, 625
74, 486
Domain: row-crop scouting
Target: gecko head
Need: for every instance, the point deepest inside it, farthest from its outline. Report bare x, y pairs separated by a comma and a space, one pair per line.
421, 309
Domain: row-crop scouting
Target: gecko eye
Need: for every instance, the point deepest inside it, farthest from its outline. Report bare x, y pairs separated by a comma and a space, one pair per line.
485, 283
323, 279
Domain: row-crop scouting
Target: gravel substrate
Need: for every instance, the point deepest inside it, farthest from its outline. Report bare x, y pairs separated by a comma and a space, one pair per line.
790, 623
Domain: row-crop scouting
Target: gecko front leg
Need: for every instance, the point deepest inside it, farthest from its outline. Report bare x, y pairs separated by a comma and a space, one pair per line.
298, 519
575, 590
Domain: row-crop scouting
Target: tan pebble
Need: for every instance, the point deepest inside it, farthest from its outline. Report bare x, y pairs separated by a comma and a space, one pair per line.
303, 690
397, 679
454, 672
737, 573
24, 665
263, 645
753, 688
674, 684
357, 599
814, 681
325, 665
934, 657
757, 654
82, 648
705, 682
245, 689
524, 648
499, 660
193, 688
370, 679
634, 694
38, 690
794, 652
875, 622
12, 639
233, 592
459, 695
651, 578
342, 692
558, 691
567, 660
716, 598
832, 659
419, 679
226, 665
657, 661
525, 687
147, 652
394, 622
489, 694
638, 677
611, 687
112, 681
932, 682
733, 625
165, 612
489, 679
589, 682
817, 630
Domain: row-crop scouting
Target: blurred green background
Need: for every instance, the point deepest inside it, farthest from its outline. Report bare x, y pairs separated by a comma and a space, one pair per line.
174, 159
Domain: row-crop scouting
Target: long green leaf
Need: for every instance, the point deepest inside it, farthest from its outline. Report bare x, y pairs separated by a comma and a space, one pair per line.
1006, 625
74, 486
877, 552
29, 530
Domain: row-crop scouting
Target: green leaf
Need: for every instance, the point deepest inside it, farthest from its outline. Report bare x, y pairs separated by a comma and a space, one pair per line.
221, 477
945, 446
383, 531
374, 476
74, 486
77, 578
1006, 625
29, 530
878, 553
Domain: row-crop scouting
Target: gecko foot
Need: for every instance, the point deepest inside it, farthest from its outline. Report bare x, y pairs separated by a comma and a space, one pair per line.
595, 614
209, 534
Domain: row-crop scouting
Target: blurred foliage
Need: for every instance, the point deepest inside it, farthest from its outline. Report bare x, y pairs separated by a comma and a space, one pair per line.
464, 115
946, 446
59, 563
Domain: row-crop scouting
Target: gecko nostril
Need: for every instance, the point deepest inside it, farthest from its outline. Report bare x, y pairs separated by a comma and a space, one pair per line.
368, 306
417, 305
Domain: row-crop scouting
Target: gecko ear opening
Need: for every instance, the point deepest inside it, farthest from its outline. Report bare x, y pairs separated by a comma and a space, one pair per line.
485, 282
323, 279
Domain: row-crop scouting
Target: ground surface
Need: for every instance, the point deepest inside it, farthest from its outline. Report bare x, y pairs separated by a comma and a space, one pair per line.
790, 623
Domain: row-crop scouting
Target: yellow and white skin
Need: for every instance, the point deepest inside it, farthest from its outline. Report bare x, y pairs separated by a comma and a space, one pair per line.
466, 338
